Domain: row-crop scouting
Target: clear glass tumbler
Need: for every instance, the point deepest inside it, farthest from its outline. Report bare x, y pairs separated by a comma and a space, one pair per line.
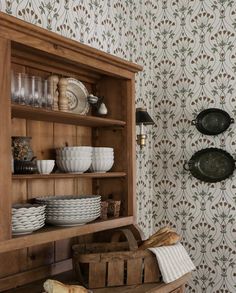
47, 99
35, 91
19, 88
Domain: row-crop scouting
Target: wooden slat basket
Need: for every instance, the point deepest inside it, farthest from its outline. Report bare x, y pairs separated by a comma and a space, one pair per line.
99, 265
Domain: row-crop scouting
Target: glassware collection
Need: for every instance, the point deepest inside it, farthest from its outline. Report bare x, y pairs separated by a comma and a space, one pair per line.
55, 93
30, 90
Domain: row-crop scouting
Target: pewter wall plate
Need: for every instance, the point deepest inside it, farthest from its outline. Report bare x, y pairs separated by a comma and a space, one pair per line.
212, 121
211, 165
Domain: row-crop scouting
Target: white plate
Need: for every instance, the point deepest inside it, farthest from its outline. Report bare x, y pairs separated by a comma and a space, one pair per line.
69, 222
77, 95
23, 230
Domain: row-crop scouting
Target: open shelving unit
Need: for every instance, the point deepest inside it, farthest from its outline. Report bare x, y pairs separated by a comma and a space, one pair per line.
46, 252
33, 50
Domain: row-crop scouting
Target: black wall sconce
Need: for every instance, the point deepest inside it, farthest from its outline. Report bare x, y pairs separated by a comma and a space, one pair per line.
142, 119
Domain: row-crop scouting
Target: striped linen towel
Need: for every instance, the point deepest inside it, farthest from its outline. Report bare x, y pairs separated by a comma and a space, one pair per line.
173, 261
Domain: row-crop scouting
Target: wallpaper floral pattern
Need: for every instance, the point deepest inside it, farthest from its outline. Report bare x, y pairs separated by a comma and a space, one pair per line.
195, 70
187, 48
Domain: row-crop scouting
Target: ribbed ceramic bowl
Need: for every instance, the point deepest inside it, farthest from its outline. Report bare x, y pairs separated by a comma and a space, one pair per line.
103, 150
45, 166
101, 165
74, 151
71, 155
74, 165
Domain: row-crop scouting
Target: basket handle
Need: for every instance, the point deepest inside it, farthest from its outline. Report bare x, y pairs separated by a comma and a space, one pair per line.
133, 245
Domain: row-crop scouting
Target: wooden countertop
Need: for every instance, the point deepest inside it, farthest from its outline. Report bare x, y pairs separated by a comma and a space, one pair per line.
37, 287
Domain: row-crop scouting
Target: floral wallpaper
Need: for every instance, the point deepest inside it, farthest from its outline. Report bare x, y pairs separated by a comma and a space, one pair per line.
187, 48
195, 70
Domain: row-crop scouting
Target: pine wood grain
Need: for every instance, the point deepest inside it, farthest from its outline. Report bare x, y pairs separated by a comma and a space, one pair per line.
5, 145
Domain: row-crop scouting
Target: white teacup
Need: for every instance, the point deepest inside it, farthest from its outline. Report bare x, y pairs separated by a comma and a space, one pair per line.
45, 166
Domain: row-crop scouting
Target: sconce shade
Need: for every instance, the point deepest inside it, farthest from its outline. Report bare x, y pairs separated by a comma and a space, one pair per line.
142, 117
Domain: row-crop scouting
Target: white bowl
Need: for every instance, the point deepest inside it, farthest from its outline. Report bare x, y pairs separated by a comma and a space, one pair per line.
103, 156
75, 149
103, 150
74, 166
73, 156
101, 165
45, 166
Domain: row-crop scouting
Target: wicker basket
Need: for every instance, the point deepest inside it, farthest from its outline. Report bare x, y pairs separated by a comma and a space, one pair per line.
115, 263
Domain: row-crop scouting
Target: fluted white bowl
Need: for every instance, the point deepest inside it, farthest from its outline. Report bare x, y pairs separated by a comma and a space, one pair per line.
101, 165
45, 166
103, 150
74, 150
74, 153
73, 156
74, 165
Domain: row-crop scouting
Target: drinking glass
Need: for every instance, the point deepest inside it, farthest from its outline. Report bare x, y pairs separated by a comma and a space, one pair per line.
19, 87
35, 89
47, 99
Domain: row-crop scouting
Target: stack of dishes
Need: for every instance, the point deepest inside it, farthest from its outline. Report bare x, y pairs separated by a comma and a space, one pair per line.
27, 218
71, 210
102, 159
75, 159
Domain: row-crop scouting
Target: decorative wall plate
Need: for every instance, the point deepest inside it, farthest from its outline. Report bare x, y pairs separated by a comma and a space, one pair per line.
212, 121
211, 165
77, 95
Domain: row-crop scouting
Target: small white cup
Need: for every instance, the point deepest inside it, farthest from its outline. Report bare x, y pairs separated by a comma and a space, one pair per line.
45, 166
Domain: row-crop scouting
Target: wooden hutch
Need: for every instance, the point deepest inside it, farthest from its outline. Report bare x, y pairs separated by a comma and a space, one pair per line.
33, 50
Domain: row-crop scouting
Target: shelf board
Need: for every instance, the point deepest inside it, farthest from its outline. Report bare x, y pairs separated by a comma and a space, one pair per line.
69, 278
31, 113
53, 233
69, 175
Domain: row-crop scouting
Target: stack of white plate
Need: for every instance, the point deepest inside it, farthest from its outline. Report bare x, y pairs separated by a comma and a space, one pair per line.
102, 159
27, 218
75, 159
71, 210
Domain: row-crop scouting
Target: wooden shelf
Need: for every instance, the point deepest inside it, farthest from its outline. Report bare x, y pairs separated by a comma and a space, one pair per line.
69, 175
31, 113
69, 278
58, 233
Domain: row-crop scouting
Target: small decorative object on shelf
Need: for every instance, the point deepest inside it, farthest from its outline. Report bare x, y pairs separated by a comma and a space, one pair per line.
53, 90
92, 99
98, 104
63, 99
110, 209
104, 208
102, 110
25, 167
21, 147
24, 160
